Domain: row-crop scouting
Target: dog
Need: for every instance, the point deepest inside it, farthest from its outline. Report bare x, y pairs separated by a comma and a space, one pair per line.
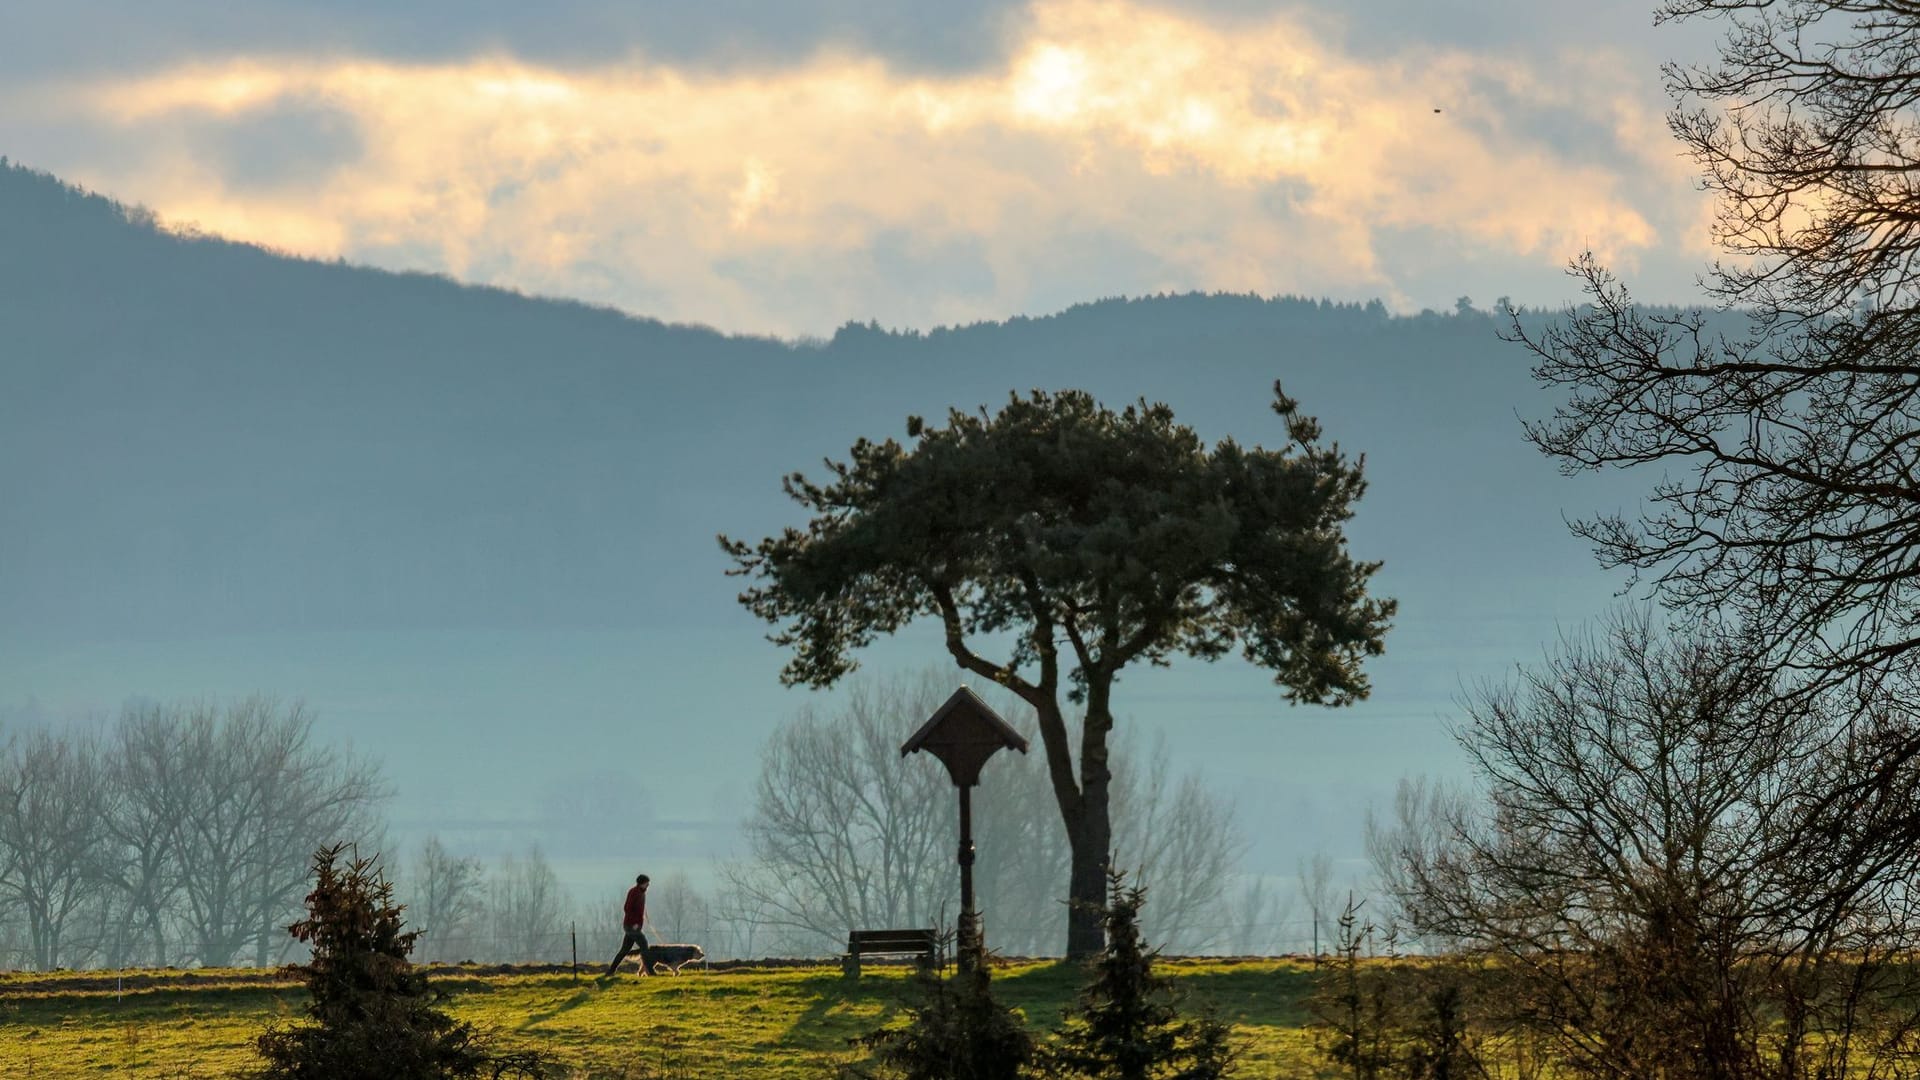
674, 957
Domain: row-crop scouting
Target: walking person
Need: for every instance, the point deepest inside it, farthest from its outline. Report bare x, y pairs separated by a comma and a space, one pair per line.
633, 918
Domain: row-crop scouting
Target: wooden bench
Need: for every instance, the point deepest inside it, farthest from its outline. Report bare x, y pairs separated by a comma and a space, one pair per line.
924, 944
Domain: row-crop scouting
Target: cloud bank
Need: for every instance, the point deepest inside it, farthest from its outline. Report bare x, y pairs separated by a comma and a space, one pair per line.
1107, 148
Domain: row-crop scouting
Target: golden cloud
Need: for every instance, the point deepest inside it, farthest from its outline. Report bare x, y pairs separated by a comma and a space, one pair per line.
1251, 158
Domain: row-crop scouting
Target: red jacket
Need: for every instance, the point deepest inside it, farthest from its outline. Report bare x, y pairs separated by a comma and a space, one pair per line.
636, 914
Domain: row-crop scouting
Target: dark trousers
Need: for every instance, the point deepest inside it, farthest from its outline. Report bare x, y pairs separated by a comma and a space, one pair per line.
635, 941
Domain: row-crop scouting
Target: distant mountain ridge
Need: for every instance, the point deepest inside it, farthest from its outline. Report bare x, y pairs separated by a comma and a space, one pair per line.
205, 437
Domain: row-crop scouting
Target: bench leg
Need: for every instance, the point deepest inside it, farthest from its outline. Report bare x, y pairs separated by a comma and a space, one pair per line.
850, 965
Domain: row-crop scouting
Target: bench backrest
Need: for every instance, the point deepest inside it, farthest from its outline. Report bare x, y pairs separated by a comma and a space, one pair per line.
892, 940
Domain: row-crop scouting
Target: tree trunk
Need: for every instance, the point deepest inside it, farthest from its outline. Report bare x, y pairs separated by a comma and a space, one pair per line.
159, 937
1083, 805
1087, 883
1090, 832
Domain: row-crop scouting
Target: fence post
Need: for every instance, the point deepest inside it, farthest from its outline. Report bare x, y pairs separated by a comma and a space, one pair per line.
573, 935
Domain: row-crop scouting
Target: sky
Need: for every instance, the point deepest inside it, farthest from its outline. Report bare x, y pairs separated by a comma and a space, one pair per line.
785, 168
782, 168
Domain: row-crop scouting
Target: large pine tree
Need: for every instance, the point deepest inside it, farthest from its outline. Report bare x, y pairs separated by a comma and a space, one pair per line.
1078, 540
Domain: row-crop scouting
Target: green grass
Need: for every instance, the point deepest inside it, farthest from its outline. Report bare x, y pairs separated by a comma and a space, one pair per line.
771, 1023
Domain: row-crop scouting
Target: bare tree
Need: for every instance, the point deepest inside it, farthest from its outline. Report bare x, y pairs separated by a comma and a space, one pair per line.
183, 817
146, 753
599, 923
262, 797
678, 910
1659, 871
14, 950
846, 835
1179, 843
1315, 876
527, 909
1258, 918
1790, 497
54, 803
744, 924
446, 902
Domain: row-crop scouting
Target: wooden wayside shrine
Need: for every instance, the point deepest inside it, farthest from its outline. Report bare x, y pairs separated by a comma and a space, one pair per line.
963, 734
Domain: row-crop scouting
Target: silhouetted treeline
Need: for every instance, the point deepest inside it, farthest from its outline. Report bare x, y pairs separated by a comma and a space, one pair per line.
179, 834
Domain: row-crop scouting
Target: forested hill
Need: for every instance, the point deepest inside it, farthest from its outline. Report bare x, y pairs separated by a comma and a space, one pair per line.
201, 437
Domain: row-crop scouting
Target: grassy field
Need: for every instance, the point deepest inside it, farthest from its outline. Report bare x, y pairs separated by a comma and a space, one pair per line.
774, 1022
